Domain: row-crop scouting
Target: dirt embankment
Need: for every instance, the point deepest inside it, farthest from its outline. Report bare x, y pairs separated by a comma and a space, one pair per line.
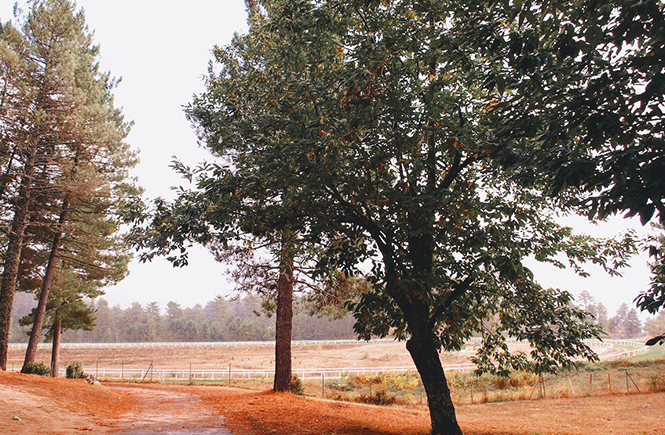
31, 404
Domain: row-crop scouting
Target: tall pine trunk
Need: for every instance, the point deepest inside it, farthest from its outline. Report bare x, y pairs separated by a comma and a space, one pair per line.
13, 255
55, 350
284, 321
35, 334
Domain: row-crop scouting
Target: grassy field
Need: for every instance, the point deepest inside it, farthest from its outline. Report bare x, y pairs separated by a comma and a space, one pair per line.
638, 374
260, 357
359, 354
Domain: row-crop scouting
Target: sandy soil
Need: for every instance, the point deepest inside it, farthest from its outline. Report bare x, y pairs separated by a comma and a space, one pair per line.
167, 412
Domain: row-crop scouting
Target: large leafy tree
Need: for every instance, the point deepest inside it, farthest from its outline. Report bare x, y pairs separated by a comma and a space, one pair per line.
581, 103
580, 97
382, 114
653, 299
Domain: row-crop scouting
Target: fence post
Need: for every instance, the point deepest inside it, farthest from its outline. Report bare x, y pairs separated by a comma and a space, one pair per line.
323, 384
229, 373
634, 383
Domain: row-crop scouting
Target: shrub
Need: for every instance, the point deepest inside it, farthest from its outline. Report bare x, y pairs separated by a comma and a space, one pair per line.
296, 386
75, 370
379, 398
40, 369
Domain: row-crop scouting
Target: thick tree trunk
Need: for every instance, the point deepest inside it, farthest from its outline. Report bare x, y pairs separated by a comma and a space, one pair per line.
13, 258
426, 357
36, 332
55, 350
284, 321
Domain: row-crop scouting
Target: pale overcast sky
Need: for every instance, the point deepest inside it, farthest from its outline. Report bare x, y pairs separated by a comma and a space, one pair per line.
161, 50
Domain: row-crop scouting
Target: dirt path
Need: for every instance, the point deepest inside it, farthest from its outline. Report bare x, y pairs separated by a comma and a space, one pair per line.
168, 413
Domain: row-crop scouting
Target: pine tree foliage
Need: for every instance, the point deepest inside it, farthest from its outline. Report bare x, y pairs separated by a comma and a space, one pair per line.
65, 163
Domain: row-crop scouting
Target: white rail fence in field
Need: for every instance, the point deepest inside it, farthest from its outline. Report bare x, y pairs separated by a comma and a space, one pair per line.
593, 343
230, 373
199, 344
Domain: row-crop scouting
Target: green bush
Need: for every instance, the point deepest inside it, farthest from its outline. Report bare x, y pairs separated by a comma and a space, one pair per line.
296, 386
75, 370
40, 369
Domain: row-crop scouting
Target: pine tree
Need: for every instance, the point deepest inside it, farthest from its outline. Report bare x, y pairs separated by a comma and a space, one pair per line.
70, 176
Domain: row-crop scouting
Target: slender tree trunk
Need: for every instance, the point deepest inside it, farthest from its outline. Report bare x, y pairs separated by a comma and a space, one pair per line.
35, 334
284, 321
13, 256
55, 350
422, 344
426, 357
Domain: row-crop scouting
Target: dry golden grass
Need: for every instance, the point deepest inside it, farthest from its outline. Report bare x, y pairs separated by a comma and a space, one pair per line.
262, 356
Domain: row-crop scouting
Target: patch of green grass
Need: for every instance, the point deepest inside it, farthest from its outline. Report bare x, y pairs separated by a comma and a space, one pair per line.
655, 352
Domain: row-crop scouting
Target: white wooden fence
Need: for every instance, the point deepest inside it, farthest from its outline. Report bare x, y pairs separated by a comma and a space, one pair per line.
230, 373
592, 342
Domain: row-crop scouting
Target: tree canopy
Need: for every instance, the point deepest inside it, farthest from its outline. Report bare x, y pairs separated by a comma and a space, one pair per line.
422, 138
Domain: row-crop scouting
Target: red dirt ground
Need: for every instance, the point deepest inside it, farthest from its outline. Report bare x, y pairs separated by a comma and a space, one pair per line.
60, 406
31, 404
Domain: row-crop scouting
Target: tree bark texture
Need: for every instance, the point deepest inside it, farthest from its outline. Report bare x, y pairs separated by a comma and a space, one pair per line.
284, 321
55, 350
426, 358
422, 344
13, 257
36, 332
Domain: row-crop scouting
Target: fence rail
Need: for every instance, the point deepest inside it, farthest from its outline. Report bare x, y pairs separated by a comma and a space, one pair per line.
127, 373
230, 373
197, 344
592, 342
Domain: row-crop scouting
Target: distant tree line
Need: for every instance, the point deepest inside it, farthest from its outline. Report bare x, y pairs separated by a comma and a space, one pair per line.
221, 319
624, 324
245, 319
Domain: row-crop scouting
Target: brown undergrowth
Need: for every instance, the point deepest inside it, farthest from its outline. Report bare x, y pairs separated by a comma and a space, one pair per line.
251, 413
